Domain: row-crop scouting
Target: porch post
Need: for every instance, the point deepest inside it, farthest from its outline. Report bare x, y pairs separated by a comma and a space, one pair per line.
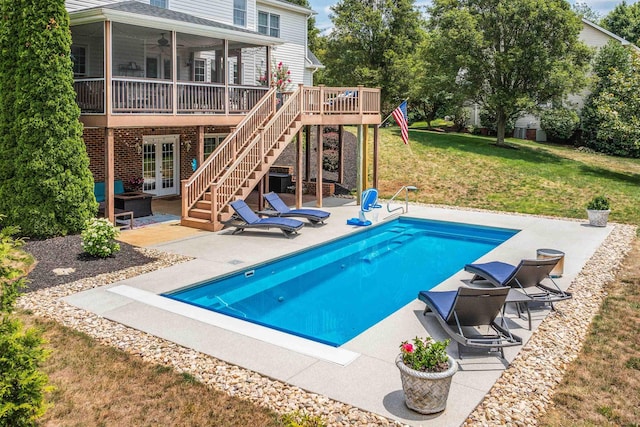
307, 155
365, 148
200, 147
174, 73
225, 73
108, 175
319, 167
376, 136
107, 70
359, 166
340, 154
299, 170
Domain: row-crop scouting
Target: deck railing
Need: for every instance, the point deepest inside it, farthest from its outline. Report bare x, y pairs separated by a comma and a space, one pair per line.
151, 96
90, 95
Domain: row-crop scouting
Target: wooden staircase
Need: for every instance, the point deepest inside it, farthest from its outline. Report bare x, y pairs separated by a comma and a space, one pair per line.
240, 162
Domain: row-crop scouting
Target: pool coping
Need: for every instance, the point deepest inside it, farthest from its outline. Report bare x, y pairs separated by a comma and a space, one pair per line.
383, 395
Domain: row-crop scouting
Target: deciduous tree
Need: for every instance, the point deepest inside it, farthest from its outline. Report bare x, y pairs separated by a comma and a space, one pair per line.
624, 21
373, 43
511, 54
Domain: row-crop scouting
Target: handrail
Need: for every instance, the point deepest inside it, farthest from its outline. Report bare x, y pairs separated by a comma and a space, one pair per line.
225, 154
404, 209
253, 154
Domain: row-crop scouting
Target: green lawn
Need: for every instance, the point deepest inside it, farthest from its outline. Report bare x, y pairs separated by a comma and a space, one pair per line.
532, 178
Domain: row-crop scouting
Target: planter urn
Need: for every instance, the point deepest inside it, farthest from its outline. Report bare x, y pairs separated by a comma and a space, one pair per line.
598, 218
426, 392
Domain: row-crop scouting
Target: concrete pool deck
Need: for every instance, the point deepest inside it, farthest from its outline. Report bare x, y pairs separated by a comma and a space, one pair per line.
364, 374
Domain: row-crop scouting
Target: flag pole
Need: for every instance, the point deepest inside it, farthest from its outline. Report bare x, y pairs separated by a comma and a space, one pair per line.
383, 122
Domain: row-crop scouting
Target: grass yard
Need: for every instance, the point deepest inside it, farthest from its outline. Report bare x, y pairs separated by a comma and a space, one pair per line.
470, 171
97, 385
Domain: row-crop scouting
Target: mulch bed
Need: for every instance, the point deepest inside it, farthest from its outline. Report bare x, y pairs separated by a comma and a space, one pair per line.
67, 253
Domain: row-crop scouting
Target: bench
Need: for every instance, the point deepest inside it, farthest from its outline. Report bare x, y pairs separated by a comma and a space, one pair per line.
98, 189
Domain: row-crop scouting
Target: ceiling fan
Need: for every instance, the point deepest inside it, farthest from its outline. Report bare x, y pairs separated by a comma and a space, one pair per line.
162, 41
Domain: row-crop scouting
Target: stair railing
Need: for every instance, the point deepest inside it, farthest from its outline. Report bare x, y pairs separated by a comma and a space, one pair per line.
226, 153
227, 186
406, 189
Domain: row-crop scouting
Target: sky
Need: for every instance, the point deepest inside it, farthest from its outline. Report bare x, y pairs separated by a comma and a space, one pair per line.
324, 23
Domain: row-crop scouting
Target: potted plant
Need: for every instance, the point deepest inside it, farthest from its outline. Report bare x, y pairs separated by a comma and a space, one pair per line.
598, 210
426, 371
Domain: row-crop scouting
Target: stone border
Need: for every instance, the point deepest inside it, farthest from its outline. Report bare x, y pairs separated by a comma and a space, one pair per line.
520, 395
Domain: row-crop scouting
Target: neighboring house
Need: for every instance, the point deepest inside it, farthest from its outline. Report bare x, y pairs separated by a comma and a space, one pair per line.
163, 84
528, 126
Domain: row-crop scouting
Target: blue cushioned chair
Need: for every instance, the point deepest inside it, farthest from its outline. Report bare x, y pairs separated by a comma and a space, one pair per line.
250, 220
463, 312
314, 216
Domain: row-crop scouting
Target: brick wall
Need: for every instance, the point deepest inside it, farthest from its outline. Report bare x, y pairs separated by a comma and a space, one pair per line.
128, 149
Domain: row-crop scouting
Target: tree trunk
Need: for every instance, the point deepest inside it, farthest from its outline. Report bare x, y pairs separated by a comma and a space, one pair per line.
501, 122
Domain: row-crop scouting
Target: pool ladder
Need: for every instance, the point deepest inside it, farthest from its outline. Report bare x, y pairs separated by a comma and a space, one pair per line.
404, 208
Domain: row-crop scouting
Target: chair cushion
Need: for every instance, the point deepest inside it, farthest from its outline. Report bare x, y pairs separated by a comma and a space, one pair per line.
310, 212
442, 301
501, 272
278, 221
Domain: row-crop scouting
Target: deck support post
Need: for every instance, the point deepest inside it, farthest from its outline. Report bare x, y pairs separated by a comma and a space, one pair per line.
359, 166
109, 174
299, 189
319, 167
341, 154
376, 136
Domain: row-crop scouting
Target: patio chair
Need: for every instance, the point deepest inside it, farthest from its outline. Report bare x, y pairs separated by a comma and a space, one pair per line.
368, 202
465, 312
315, 216
246, 218
524, 279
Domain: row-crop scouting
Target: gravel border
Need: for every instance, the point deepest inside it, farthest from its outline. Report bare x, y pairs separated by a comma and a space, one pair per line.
520, 395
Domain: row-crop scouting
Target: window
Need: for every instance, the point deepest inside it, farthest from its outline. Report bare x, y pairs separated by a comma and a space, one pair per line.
269, 24
240, 12
159, 3
199, 70
212, 141
79, 58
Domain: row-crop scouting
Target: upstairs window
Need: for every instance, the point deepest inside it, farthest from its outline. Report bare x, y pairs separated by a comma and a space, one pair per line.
240, 12
269, 24
159, 3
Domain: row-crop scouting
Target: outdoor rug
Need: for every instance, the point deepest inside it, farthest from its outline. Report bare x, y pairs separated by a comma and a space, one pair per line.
156, 218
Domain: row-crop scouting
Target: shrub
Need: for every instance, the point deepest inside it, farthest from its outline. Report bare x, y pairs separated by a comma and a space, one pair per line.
330, 161
559, 123
98, 238
22, 385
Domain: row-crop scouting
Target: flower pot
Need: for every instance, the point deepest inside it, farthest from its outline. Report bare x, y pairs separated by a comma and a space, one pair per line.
426, 392
598, 218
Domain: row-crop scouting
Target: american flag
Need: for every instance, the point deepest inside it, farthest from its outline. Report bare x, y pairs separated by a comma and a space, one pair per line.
400, 116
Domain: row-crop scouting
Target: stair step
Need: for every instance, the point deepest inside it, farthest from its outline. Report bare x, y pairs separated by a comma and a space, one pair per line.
200, 224
200, 213
203, 204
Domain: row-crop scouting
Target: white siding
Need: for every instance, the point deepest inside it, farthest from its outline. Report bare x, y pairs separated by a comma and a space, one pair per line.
293, 32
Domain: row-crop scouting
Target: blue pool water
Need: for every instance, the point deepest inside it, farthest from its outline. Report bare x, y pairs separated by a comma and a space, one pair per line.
332, 292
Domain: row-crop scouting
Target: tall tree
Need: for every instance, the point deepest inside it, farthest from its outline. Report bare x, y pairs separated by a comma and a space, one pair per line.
373, 43
624, 21
584, 10
512, 55
54, 187
611, 115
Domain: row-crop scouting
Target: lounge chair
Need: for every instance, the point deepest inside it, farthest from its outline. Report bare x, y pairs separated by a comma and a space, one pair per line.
250, 220
369, 202
314, 216
462, 313
524, 279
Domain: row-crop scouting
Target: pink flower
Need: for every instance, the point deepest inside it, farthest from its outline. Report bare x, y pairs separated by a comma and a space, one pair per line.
288, 72
280, 64
407, 347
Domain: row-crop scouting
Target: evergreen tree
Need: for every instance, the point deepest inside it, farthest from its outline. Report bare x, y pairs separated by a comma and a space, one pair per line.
8, 63
54, 187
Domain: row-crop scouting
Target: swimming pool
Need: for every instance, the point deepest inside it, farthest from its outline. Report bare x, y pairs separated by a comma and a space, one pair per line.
332, 292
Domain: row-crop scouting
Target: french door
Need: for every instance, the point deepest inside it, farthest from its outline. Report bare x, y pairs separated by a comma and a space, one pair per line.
160, 164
